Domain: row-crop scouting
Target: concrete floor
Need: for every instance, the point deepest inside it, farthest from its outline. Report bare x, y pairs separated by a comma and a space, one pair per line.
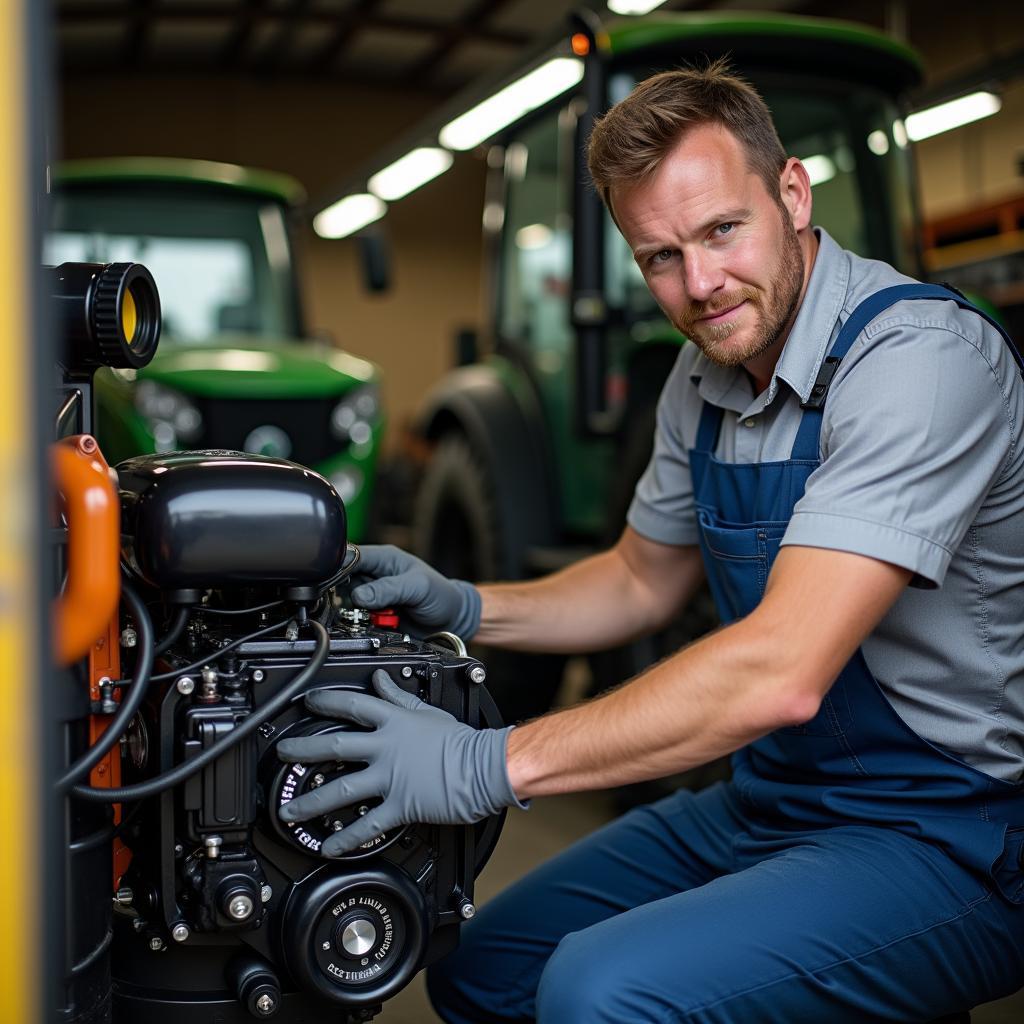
530, 838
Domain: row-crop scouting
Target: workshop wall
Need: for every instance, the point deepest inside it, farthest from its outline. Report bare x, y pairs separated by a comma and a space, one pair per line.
317, 132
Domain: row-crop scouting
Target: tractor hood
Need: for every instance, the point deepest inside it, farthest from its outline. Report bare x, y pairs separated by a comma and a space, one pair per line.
233, 367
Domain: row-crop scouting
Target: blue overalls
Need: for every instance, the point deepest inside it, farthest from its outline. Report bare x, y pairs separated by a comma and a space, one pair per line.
850, 871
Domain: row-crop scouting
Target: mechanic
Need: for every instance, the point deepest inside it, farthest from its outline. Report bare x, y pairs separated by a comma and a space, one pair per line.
859, 519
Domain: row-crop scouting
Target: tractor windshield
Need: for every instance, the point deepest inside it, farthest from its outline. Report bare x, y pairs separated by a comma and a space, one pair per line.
854, 148
220, 257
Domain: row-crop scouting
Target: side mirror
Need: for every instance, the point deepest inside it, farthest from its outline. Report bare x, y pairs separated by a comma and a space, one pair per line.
375, 260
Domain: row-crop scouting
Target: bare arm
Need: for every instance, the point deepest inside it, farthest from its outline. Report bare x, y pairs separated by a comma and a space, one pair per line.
768, 670
634, 588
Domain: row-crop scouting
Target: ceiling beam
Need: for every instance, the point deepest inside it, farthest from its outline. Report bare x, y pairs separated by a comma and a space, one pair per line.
469, 24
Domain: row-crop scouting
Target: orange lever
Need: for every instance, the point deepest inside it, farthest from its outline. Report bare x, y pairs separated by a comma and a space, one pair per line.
83, 611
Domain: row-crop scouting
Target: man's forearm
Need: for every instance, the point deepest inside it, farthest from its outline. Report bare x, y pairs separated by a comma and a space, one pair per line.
600, 602
706, 701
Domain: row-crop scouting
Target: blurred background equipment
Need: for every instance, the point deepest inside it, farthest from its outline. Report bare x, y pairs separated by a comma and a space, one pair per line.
236, 368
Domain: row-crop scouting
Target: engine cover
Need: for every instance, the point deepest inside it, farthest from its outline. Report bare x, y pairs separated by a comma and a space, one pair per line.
228, 519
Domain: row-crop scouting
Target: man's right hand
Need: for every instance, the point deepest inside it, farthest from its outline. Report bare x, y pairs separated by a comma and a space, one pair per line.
402, 581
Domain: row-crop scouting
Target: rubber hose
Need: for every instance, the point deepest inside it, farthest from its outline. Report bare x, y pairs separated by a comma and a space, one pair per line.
156, 785
129, 704
177, 628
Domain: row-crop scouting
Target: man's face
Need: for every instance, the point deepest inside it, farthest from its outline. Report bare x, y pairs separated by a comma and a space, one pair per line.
719, 254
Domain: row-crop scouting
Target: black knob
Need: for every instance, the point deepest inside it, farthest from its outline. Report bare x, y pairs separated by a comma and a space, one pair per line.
256, 986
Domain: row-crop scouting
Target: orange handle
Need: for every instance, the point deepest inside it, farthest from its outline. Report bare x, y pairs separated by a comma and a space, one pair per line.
82, 613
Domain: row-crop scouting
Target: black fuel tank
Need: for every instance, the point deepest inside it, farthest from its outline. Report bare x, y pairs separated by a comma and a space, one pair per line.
229, 519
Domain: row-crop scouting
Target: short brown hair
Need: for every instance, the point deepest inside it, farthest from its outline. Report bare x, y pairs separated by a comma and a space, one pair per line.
632, 139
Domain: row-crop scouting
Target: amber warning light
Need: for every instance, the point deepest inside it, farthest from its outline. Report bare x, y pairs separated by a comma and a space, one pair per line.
580, 44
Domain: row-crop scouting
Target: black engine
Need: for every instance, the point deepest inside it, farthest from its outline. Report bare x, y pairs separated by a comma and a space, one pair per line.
225, 913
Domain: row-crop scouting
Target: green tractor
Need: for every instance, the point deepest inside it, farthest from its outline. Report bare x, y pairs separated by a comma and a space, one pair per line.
538, 444
235, 368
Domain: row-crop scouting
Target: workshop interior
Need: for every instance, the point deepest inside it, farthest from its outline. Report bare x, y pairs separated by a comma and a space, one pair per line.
282, 278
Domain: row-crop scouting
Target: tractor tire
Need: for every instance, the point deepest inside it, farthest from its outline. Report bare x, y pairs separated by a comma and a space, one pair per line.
457, 529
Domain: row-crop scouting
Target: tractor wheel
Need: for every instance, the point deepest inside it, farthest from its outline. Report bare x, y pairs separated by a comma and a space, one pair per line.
457, 529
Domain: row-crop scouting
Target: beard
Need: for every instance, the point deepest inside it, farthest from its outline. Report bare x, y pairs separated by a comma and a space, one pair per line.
772, 307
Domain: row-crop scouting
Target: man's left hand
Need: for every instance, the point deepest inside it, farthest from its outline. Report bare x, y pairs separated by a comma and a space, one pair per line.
424, 764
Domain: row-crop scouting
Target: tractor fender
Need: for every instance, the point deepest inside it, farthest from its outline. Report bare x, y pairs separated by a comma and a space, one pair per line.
496, 408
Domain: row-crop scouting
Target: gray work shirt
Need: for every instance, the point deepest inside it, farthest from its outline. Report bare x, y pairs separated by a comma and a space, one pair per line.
922, 465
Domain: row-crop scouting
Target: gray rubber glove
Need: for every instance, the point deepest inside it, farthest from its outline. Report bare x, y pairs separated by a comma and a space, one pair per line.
425, 764
405, 582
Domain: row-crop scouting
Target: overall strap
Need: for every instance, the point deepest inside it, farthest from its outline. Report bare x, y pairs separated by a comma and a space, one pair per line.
805, 447
707, 431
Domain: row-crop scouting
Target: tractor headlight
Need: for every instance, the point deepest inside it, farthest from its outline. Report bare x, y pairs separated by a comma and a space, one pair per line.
171, 417
353, 417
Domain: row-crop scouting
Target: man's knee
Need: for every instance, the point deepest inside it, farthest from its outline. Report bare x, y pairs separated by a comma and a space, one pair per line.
586, 982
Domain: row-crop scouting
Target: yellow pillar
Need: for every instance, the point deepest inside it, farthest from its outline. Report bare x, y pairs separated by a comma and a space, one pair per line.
21, 784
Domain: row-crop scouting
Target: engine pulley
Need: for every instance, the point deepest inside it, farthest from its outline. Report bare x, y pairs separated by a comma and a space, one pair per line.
355, 939
290, 781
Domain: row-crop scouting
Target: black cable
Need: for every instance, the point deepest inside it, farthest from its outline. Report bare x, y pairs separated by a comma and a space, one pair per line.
151, 787
177, 628
344, 572
129, 704
160, 677
237, 611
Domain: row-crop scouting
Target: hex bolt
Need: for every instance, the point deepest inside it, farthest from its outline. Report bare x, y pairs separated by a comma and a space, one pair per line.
337, 825
363, 810
467, 910
178, 849
241, 907
180, 932
477, 674
129, 638
258, 675
266, 1004
266, 893
156, 943
316, 781
210, 675
291, 631
124, 896
407, 672
186, 684
213, 845
138, 924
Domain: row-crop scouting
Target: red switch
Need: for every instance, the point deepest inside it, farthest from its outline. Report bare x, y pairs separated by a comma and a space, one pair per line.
386, 618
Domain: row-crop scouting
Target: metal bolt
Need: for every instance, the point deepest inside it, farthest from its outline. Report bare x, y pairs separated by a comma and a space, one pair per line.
266, 1004
337, 825
138, 924
129, 638
316, 781
407, 672
213, 845
156, 943
291, 632
266, 892
210, 675
186, 684
124, 896
467, 910
258, 675
241, 907
477, 674
178, 849
363, 810
180, 932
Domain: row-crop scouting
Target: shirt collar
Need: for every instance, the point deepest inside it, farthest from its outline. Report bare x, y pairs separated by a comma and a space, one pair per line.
805, 348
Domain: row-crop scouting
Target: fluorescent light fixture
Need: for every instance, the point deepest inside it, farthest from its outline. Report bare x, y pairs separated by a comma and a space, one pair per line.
509, 104
533, 236
633, 6
878, 142
409, 172
820, 168
348, 215
946, 116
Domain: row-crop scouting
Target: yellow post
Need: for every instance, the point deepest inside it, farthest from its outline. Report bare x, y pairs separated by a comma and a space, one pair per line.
22, 786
